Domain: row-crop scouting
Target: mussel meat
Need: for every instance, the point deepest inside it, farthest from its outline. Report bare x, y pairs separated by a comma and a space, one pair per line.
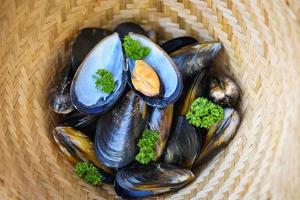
161, 120
145, 79
218, 137
175, 44
77, 147
118, 131
184, 144
193, 58
59, 95
125, 28
139, 181
84, 43
165, 68
106, 55
223, 91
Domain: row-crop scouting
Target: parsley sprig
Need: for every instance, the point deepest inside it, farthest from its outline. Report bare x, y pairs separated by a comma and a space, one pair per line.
204, 113
89, 173
146, 145
134, 49
104, 81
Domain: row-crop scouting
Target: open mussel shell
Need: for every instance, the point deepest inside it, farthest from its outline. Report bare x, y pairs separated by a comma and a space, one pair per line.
82, 122
125, 28
85, 41
218, 137
59, 95
77, 147
161, 120
107, 55
175, 44
118, 131
139, 181
193, 58
184, 144
223, 91
170, 78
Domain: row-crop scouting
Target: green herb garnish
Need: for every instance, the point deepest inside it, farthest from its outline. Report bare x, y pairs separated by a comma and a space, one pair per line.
89, 173
204, 113
104, 81
146, 145
134, 49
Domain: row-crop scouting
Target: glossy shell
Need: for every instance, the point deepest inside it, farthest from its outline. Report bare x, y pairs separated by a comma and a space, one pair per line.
108, 55
82, 122
85, 41
77, 147
118, 131
197, 89
144, 181
175, 44
127, 27
218, 137
161, 121
165, 68
194, 58
59, 95
223, 91
184, 144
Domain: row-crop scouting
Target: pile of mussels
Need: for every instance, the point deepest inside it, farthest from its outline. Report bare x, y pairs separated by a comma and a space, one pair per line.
104, 129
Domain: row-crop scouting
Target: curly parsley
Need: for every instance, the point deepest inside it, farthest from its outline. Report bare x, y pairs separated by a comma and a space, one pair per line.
204, 113
89, 173
104, 81
134, 49
146, 145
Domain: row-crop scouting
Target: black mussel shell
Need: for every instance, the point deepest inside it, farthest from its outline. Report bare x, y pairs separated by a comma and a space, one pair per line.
77, 147
167, 71
84, 43
59, 95
106, 55
196, 89
82, 122
175, 44
125, 28
184, 144
139, 181
118, 131
192, 59
161, 120
218, 137
223, 91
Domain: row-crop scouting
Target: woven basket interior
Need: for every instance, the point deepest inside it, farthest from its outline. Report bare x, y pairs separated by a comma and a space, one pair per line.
261, 51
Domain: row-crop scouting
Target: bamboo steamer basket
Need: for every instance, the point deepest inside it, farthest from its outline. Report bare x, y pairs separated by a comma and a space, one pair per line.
261, 41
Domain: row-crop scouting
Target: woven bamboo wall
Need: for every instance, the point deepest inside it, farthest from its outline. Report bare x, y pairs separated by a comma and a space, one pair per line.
261, 40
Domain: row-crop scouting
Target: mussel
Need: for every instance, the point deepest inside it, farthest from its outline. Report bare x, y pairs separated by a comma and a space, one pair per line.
118, 131
169, 77
106, 55
218, 137
184, 144
82, 122
125, 28
77, 147
223, 91
139, 181
175, 44
196, 89
193, 58
161, 120
59, 94
84, 43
